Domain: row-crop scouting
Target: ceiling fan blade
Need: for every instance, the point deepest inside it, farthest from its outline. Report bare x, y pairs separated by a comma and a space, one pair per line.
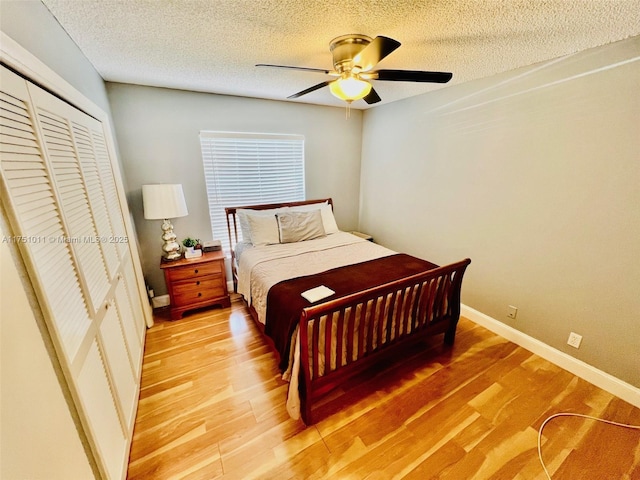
372, 97
308, 69
310, 89
412, 76
379, 48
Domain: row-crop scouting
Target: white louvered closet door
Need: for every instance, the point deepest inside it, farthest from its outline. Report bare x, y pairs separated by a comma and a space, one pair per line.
60, 194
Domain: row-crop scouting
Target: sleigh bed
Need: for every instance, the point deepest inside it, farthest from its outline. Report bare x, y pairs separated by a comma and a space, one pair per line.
376, 301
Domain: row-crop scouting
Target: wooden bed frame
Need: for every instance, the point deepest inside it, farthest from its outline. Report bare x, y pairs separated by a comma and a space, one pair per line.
368, 326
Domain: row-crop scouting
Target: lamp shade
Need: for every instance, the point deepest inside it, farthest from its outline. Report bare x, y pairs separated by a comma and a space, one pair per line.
163, 201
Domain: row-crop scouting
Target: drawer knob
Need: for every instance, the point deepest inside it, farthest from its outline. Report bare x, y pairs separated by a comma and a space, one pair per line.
199, 294
196, 271
198, 282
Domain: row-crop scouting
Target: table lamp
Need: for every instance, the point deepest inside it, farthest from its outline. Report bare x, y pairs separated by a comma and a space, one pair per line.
162, 202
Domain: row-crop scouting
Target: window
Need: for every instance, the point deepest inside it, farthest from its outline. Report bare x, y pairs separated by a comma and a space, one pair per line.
248, 169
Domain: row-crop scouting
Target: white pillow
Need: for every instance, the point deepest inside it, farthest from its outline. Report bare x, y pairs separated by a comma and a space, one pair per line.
263, 229
300, 226
245, 228
328, 220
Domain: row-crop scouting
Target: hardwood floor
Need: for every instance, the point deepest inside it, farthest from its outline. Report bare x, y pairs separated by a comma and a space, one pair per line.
212, 406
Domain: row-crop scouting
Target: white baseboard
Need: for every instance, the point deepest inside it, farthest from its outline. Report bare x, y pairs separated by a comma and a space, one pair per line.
600, 379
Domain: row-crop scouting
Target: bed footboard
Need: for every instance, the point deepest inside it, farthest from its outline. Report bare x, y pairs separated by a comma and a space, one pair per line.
340, 338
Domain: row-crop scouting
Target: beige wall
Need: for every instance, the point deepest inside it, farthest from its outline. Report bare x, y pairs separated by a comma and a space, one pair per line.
158, 130
535, 175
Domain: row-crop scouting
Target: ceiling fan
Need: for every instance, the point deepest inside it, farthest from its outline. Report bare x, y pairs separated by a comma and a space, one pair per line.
354, 57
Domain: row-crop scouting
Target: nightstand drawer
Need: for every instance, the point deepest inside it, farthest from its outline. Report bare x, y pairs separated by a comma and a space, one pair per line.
186, 293
188, 272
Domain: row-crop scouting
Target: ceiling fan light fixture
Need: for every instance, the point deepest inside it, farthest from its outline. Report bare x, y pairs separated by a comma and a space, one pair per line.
350, 88
354, 58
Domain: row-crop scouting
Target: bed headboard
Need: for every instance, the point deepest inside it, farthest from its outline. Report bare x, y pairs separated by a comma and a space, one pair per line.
232, 220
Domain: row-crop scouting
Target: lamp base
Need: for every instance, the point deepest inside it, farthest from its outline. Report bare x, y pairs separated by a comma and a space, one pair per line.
171, 248
170, 257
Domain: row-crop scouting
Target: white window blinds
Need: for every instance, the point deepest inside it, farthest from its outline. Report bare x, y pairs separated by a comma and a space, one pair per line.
248, 169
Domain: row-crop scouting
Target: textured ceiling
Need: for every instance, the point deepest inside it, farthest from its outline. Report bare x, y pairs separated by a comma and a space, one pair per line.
213, 45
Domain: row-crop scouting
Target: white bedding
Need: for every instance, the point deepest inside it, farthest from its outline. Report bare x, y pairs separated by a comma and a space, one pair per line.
262, 267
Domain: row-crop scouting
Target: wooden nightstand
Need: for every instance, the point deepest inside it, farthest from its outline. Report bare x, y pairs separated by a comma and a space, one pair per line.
195, 283
366, 236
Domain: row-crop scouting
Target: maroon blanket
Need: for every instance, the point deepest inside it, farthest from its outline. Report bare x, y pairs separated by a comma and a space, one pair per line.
285, 303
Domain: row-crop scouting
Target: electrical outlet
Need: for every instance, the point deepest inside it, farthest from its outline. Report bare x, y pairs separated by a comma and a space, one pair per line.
512, 311
574, 340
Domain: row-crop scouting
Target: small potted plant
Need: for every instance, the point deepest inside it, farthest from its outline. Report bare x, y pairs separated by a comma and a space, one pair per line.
189, 248
189, 243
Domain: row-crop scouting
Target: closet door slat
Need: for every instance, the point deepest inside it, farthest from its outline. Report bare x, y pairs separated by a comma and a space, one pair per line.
91, 175
75, 204
110, 192
41, 226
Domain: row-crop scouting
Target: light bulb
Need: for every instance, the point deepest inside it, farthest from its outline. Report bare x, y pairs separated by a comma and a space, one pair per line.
350, 88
